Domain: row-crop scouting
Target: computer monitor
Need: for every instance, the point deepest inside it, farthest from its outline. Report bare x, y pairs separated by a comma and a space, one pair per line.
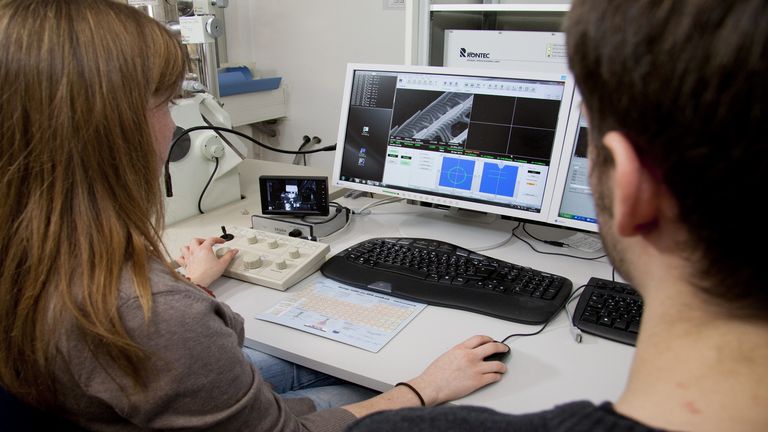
572, 203
482, 140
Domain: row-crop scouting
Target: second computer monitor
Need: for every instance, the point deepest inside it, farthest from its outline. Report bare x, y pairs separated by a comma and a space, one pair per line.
572, 203
484, 140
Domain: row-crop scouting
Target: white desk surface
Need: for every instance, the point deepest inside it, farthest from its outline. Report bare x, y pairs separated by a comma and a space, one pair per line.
544, 370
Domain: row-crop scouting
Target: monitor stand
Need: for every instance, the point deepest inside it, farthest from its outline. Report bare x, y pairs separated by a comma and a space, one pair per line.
468, 229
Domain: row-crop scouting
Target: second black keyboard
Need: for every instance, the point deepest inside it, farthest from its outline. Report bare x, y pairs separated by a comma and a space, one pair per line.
443, 274
609, 309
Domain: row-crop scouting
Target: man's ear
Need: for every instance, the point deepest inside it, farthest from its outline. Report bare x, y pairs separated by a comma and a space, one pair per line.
635, 190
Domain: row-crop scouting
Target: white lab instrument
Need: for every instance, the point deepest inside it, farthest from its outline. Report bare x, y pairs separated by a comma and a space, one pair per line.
271, 260
191, 170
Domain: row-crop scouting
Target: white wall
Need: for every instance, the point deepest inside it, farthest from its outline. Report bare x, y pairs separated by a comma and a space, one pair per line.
309, 43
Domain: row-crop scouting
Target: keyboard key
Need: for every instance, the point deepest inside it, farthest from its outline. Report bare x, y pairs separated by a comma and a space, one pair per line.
549, 294
401, 270
621, 324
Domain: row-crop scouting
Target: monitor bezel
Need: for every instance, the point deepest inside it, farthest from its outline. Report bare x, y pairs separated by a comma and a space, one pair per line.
560, 133
571, 134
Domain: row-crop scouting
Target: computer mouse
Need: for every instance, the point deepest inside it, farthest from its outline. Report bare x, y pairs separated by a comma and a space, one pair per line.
499, 356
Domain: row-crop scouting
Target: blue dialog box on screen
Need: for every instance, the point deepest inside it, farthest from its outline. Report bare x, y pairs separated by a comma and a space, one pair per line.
498, 179
457, 173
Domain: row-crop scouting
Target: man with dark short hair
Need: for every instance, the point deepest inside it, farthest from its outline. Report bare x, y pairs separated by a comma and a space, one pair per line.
676, 93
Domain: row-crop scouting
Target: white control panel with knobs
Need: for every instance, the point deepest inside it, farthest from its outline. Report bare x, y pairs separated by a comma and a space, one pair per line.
269, 259
251, 261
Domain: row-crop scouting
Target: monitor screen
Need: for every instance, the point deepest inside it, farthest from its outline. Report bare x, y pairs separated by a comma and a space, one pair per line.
572, 204
294, 195
484, 140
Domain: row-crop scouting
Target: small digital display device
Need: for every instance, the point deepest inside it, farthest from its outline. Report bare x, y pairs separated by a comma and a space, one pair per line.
294, 195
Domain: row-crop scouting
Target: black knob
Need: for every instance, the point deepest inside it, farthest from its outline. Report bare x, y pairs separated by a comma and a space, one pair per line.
295, 233
226, 236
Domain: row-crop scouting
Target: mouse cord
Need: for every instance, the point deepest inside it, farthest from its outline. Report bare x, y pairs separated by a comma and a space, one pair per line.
565, 306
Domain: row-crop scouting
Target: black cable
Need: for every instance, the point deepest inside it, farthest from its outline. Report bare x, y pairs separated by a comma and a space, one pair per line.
223, 138
314, 140
301, 148
167, 175
335, 204
552, 318
249, 138
200, 200
575, 331
514, 233
304, 141
340, 210
549, 242
528, 334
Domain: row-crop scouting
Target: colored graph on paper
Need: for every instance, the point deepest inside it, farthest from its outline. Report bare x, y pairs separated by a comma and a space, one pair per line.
356, 317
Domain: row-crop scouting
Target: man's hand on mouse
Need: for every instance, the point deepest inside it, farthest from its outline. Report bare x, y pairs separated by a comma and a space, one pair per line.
499, 356
460, 371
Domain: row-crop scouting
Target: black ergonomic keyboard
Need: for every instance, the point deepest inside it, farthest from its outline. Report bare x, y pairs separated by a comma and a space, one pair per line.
443, 274
609, 309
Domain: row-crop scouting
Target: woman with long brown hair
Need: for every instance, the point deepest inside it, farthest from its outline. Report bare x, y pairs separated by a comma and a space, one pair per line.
96, 325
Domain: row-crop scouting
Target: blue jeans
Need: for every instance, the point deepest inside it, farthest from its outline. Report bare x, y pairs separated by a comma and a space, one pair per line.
290, 380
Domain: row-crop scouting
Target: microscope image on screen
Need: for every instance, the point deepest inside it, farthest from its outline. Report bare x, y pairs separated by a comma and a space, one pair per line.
446, 119
299, 196
290, 198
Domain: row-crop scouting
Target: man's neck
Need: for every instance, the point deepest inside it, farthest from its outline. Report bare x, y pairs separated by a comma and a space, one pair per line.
695, 369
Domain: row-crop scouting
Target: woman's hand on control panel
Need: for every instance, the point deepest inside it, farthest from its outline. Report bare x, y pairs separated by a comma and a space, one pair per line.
200, 261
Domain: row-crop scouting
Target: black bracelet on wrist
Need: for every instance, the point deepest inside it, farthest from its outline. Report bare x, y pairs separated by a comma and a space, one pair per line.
413, 389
